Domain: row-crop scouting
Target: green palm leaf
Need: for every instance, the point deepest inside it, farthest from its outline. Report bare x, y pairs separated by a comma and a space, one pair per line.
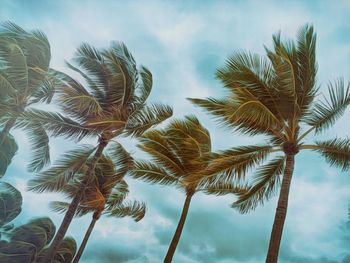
335, 151
135, 209
324, 114
146, 118
266, 182
54, 178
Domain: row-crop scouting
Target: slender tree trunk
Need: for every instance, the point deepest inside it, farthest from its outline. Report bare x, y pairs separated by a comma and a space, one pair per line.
6, 130
281, 212
73, 205
180, 225
95, 217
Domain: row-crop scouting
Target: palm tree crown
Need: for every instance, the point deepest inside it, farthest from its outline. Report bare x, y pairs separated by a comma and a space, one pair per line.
113, 104
25, 79
275, 96
180, 155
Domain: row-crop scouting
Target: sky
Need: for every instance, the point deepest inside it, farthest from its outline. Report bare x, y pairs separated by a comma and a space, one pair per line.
183, 43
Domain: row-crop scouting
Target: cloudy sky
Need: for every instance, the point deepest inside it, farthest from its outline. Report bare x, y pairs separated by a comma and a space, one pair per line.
182, 43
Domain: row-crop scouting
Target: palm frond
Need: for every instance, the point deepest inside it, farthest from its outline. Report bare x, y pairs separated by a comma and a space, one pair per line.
325, 113
54, 178
266, 182
234, 163
40, 148
122, 159
152, 173
223, 188
336, 152
146, 118
250, 117
54, 123
135, 209
47, 90
158, 146
117, 195
306, 56
146, 85
62, 207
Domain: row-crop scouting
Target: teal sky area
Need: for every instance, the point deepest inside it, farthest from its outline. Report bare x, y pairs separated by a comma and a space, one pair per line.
183, 43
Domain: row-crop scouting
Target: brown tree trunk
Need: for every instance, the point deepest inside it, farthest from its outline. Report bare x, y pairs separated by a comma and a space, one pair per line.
281, 212
73, 205
177, 235
95, 217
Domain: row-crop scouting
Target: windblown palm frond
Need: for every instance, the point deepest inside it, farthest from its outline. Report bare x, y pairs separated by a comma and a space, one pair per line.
223, 188
135, 209
265, 184
324, 114
336, 152
54, 178
152, 173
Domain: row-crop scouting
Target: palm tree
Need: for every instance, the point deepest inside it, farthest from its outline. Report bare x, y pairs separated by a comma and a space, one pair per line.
103, 196
25, 79
275, 97
114, 104
180, 154
27, 243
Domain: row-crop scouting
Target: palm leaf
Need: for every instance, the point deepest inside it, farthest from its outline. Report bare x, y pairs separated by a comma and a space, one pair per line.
324, 114
135, 209
54, 123
336, 152
223, 188
40, 147
152, 173
266, 182
59, 174
146, 118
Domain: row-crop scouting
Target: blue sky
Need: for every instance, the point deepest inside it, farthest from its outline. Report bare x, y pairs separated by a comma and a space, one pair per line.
182, 43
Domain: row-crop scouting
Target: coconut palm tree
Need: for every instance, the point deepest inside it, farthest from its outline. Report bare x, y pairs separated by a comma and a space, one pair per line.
27, 243
25, 79
275, 97
113, 104
180, 153
103, 196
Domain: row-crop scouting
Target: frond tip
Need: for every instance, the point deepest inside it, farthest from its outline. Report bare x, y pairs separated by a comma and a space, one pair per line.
135, 209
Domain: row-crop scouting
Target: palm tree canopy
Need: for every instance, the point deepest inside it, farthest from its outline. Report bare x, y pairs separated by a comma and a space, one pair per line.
25, 78
27, 241
106, 192
25, 58
112, 102
180, 155
275, 96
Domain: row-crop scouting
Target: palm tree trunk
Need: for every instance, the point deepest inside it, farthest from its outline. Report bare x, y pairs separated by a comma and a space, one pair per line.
95, 217
68, 217
6, 130
281, 212
180, 225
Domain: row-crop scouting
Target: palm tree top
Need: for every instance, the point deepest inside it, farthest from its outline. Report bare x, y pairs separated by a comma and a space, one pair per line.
275, 95
25, 59
114, 97
179, 155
